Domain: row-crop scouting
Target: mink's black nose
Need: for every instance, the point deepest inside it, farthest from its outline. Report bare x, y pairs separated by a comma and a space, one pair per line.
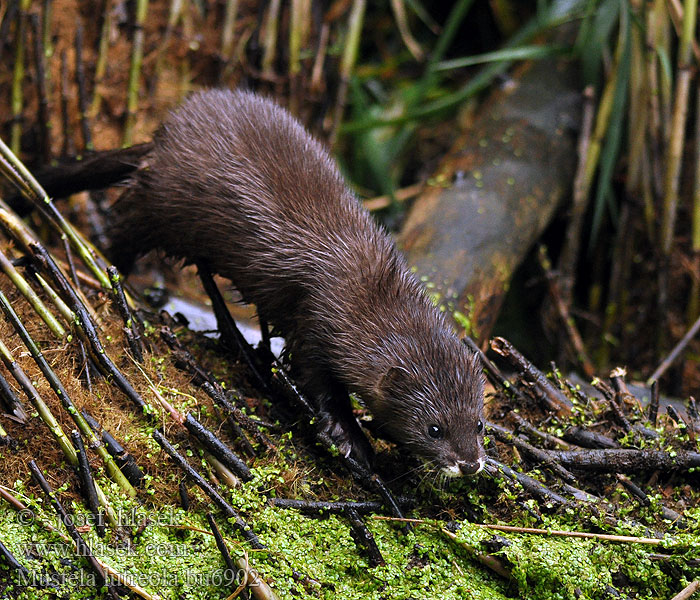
471, 467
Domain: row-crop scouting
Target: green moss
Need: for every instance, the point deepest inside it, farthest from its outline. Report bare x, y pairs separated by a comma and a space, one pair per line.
317, 557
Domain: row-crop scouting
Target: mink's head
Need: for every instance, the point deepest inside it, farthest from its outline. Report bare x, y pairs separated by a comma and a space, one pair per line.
433, 404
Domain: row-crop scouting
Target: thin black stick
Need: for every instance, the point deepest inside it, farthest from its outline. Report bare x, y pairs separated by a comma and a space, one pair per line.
530, 485
265, 333
654, 403
87, 483
86, 328
84, 358
68, 144
693, 414
550, 396
184, 496
126, 461
627, 460
43, 117
235, 415
130, 326
678, 348
82, 93
207, 488
184, 360
218, 448
220, 543
8, 19
12, 562
363, 537
493, 373
12, 402
312, 507
82, 548
531, 431
585, 438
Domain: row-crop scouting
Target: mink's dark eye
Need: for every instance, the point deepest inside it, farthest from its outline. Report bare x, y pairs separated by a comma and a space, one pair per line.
435, 431
479, 426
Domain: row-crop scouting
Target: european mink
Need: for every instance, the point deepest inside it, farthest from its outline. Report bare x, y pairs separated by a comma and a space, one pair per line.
236, 183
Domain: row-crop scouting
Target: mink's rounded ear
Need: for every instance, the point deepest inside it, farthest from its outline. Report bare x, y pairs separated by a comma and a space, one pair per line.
396, 378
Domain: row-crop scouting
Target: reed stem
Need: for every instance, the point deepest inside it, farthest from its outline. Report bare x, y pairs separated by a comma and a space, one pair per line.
132, 102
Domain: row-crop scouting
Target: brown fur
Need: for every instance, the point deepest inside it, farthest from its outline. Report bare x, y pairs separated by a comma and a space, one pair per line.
235, 182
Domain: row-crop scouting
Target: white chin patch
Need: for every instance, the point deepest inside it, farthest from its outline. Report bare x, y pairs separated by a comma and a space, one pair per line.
455, 471
452, 470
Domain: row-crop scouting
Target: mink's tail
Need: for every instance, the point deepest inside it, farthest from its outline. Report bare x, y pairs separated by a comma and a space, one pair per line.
95, 171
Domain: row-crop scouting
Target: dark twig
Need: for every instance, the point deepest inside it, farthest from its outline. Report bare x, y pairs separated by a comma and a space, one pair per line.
531, 486
264, 333
234, 416
82, 92
633, 489
184, 496
220, 543
311, 507
588, 439
12, 562
639, 493
126, 461
82, 548
236, 419
12, 402
220, 450
622, 393
540, 456
43, 116
87, 483
626, 460
130, 326
693, 420
532, 432
85, 327
8, 19
550, 396
493, 373
68, 144
654, 403
562, 307
207, 488
616, 402
678, 348
675, 415
364, 538
84, 358
603, 387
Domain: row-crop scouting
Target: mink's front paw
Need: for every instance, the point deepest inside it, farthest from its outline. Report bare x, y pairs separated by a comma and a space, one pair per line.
345, 432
